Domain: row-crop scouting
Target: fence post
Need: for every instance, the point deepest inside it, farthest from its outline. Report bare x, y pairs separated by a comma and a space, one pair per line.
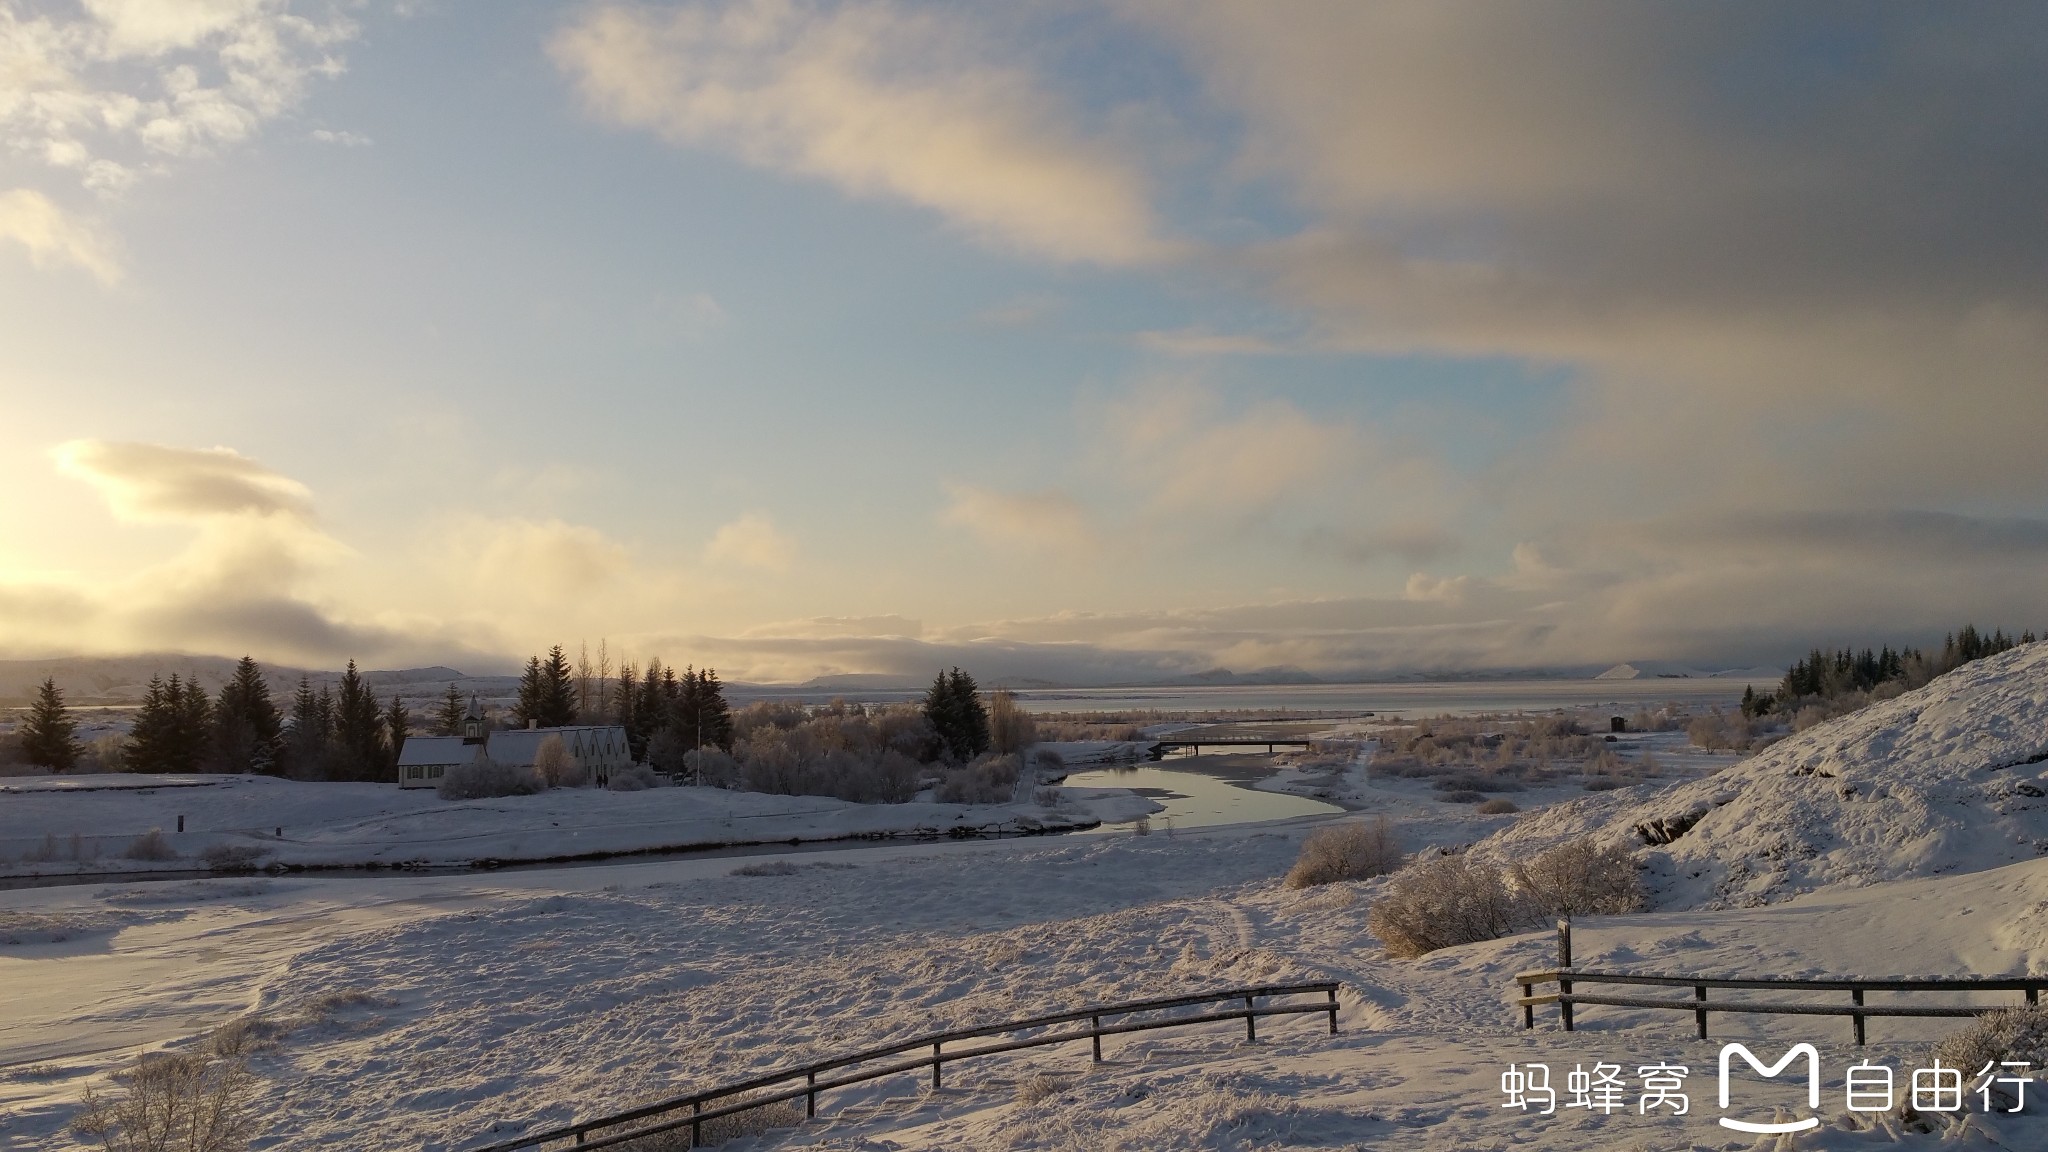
1095, 1036
1528, 1010
1251, 1032
811, 1097
1856, 994
696, 1123
2033, 994
1333, 1011
1564, 965
1699, 993
935, 1065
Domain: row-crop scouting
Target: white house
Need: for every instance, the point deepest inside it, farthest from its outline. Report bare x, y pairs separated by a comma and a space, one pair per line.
600, 748
424, 760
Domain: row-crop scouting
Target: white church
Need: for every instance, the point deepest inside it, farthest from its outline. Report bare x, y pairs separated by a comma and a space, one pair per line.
601, 748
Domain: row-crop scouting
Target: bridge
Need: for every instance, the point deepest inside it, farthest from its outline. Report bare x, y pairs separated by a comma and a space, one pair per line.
1161, 747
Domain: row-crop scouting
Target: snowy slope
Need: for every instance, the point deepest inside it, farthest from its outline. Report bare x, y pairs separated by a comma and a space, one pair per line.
1949, 778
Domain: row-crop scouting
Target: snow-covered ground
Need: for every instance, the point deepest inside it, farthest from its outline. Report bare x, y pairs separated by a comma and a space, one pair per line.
433, 1012
441, 1011
53, 826
1950, 778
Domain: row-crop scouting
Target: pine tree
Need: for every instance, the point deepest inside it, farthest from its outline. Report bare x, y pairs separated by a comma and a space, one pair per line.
248, 733
311, 731
716, 712
953, 705
149, 739
49, 737
559, 693
624, 708
449, 716
358, 728
533, 694
397, 726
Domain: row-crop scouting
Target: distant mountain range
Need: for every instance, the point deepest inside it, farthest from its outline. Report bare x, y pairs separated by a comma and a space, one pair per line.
120, 681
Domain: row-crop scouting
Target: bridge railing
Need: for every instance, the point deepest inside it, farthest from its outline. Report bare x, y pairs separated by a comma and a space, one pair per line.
808, 1081
1858, 1010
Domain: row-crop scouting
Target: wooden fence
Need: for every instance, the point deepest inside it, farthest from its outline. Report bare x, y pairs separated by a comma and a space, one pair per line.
807, 1081
1857, 1009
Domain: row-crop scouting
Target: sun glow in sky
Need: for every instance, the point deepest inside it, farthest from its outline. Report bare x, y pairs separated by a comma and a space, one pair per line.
1084, 342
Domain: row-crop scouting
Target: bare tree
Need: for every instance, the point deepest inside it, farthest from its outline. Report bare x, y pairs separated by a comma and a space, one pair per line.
584, 673
604, 677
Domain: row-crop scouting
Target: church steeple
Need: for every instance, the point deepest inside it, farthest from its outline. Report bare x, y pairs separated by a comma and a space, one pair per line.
473, 723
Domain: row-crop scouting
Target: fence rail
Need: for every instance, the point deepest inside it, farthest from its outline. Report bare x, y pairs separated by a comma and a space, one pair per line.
1857, 1009
809, 1080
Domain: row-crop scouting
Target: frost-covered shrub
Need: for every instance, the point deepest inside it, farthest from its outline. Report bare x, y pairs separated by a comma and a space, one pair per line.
1498, 806
1049, 759
711, 767
633, 778
1581, 878
484, 778
557, 766
151, 845
1440, 902
233, 857
987, 780
2006, 1034
173, 1103
1352, 850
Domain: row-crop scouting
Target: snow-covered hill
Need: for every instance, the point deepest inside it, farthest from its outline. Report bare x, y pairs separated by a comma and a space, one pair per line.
1952, 777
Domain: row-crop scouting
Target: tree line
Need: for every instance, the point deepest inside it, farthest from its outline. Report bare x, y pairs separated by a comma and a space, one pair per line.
1823, 676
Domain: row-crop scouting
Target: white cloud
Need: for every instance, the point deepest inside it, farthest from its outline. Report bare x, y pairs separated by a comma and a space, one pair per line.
124, 86
1050, 522
158, 482
1203, 342
752, 541
344, 138
878, 99
53, 236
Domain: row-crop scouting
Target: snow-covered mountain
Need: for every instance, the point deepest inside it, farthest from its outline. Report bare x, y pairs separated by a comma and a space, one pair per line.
1952, 777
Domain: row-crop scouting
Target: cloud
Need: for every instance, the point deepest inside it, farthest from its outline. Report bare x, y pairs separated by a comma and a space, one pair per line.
119, 87
1202, 342
53, 236
343, 138
752, 541
884, 100
157, 482
1831, 266
1050, 522
1023, 311
245, 582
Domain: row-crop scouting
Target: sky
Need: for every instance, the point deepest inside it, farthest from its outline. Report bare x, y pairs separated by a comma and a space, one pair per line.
1083, 342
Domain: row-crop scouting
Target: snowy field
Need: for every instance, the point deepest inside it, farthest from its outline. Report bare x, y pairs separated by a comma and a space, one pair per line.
433, 1012
442, 1011
54, 826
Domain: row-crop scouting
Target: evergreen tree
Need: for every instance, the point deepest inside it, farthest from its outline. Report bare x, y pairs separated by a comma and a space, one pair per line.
49, 737
311, 730
358, 728
953, 705
716, 712
532, 701
449, 716
248, 733
625, 704
650, 707
171, 731
397, 726
559, 692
